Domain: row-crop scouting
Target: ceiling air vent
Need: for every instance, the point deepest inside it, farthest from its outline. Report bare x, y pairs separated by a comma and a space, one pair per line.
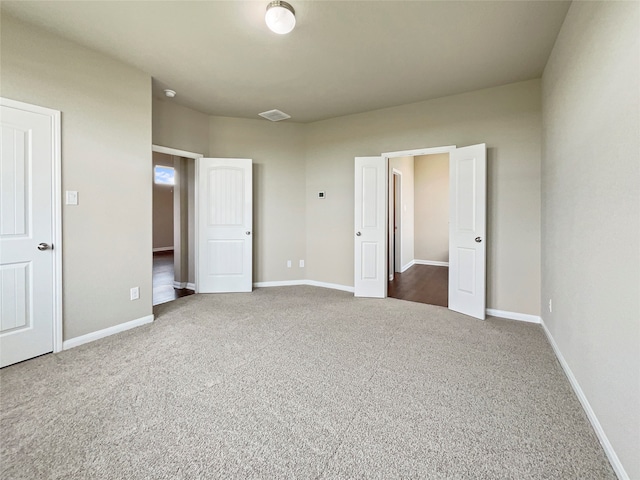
274, 115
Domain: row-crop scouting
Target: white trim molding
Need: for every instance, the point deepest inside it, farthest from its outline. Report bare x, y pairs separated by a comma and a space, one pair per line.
334, 286
195, 156
523, 317
312, 283
431, 262
283, 283
408, 266
175, 151
602, 436
163, 249
106, 332
420, 151
183, 285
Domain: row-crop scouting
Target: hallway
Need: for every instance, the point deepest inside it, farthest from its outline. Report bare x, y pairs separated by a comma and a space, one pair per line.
422, 284
163, 275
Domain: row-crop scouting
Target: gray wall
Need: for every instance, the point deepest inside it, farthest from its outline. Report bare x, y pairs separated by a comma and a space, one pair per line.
179, 127
106, 157
432, 207
506, 118
591, 212
277, 150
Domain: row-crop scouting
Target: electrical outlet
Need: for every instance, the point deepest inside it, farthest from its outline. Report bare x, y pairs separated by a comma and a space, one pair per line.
135, 293
288, 263
550, 306
301, 263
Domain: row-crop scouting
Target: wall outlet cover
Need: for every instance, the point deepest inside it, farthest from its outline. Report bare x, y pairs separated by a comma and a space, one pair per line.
72, 197
135, 293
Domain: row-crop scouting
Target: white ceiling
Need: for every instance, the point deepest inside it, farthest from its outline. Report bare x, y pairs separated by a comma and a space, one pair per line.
343, 56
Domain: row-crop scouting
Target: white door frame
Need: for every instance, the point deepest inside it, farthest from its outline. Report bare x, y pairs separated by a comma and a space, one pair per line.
396, 176
195, 157
412, 153
56, 209
398, 237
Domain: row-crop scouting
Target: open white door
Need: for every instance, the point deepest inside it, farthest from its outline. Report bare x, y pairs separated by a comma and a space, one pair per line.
467, 227
370, 227
28, 155
225, 214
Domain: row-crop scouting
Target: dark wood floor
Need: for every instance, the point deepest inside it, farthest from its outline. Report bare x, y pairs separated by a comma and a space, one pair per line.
423, 284
163, 275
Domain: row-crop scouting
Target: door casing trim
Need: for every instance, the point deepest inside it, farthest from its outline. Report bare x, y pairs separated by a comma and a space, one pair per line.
196, 158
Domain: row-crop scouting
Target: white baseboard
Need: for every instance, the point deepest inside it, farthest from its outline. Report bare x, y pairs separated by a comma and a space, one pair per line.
90, 337
313, 283
523, 317
163, 249
431, 262
408, 266
181, 285
334, 286
604, 440
284, 283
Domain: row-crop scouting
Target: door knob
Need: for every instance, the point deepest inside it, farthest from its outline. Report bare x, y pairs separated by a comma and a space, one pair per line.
358, 234
478, 239
248, 232
44, 246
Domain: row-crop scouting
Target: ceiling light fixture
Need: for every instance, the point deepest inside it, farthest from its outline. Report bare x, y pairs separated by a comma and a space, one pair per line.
280, 17
170, 93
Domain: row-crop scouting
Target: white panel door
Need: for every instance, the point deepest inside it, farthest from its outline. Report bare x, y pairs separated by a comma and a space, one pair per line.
225, 247
370, 252
467, 226
26, 234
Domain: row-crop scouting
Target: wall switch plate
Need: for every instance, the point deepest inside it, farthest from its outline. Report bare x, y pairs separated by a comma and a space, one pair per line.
288, 263
135, 293
301, 263
72, 197
550, 306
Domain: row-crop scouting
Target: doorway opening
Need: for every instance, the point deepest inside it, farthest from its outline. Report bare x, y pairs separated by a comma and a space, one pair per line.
419, 228
467, 226
174, 250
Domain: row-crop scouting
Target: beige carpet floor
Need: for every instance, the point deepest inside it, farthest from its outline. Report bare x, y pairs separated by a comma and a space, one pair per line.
299, 383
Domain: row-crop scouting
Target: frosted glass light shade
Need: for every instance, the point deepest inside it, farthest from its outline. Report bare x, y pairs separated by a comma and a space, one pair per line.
280, 17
